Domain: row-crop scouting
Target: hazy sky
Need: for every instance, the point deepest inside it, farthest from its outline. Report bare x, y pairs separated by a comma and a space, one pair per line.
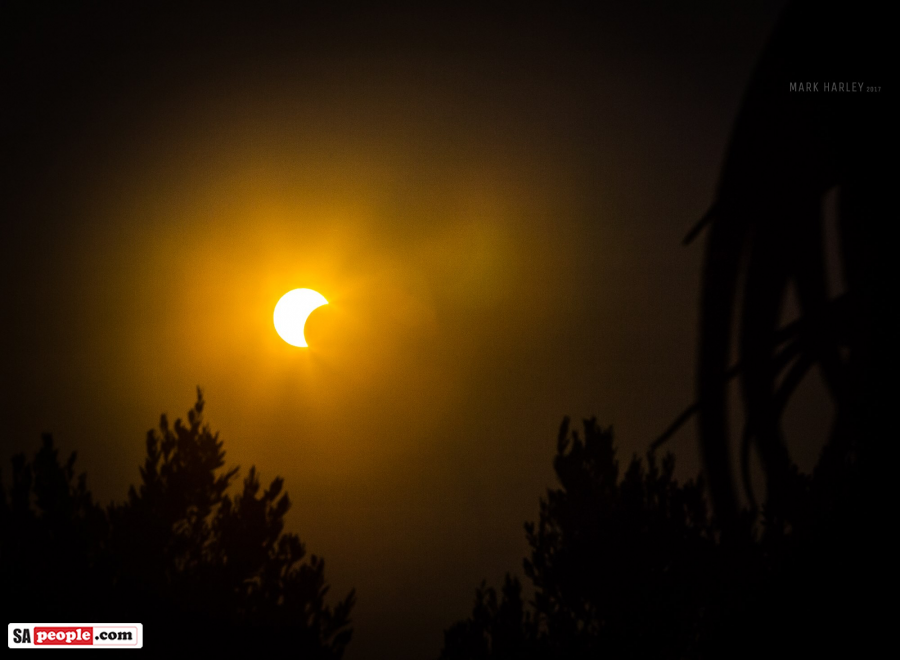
492, 200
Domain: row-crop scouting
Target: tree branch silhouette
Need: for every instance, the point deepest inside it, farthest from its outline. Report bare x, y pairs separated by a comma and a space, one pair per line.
195, 563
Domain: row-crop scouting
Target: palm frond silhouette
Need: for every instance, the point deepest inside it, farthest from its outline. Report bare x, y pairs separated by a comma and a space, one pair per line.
788, 150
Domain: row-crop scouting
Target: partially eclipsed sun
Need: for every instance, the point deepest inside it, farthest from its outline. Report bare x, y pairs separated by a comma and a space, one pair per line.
292, 311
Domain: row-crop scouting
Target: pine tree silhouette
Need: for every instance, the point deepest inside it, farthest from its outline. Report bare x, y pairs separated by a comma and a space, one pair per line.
632, 565
620, 564
193, 563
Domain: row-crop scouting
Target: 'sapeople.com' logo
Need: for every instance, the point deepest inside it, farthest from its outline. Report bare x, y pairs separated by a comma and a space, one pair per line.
75, 635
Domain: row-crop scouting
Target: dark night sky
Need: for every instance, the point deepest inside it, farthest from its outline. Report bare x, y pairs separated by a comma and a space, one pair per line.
493, 201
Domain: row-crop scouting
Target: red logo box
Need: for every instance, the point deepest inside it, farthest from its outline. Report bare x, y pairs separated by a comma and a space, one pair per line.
63, 636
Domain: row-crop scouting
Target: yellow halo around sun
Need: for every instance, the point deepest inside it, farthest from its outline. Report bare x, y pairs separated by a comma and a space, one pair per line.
292, 311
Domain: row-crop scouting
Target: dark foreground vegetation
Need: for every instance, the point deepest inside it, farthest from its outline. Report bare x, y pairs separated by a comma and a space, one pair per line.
625, 561
636, 565
630, 564
194, 564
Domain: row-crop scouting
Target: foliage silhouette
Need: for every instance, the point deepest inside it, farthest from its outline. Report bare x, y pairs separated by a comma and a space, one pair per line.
192, 562
617, 561
787, 152
631, 565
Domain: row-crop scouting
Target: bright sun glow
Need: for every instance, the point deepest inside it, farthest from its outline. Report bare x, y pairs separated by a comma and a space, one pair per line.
292, 311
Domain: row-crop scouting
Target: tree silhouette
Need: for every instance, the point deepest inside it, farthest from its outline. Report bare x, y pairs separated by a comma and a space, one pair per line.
630, 564
619, 564
54, 537
192, 562
634, 568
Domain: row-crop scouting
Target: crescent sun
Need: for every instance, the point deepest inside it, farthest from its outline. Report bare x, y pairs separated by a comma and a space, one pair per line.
291, 313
